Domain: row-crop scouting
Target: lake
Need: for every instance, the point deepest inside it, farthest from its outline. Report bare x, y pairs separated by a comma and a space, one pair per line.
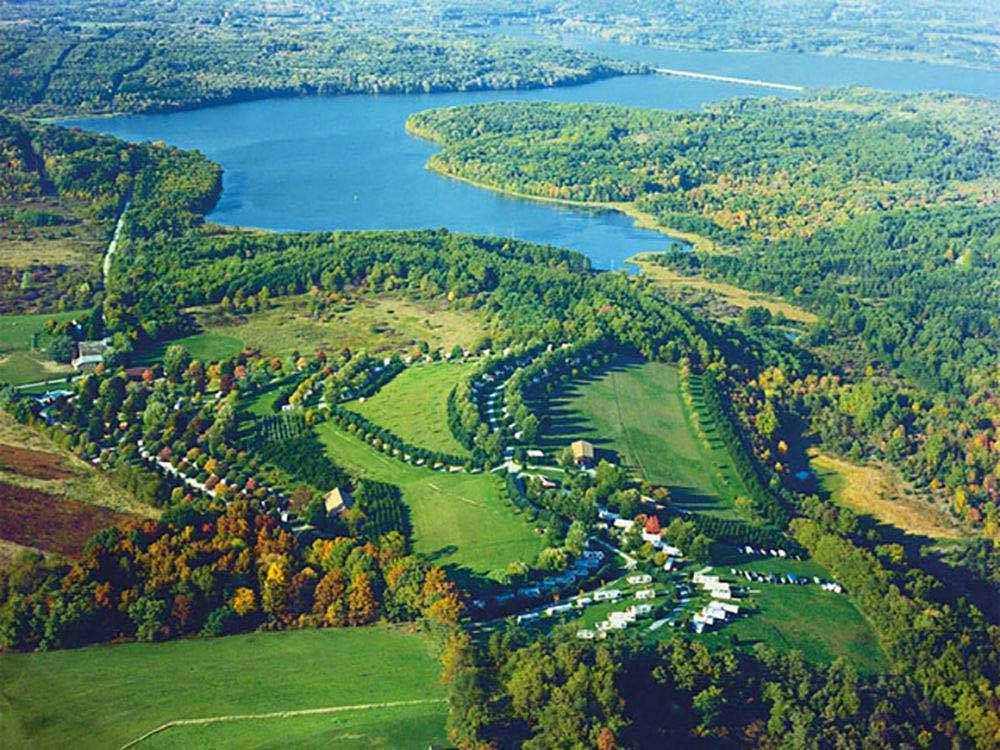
347, 162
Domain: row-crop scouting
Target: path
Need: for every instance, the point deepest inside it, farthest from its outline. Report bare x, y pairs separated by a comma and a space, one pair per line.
275, 715
113, 246
730, 79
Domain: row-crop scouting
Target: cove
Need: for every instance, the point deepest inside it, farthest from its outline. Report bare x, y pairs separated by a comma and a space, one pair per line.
348, 163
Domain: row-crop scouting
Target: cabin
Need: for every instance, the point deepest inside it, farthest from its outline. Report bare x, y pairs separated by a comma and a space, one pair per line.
583, 453
337, 501
90, 354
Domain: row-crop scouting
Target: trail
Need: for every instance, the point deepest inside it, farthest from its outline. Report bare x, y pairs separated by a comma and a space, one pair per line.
730, 79
113, 246
275, 715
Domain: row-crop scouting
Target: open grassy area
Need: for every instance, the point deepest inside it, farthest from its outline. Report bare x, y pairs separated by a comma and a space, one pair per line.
106, 696
733, 295
877, 491
822, 625
414, 405
208, 346
20, 362
378, 324
634, 414
459, 519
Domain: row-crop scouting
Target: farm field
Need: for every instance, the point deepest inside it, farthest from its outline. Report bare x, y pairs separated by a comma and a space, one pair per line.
106, 696
33, 517
634, 414
878, 492
28, 458
460, 520
50, 500
378, 324
414, 405
19, 362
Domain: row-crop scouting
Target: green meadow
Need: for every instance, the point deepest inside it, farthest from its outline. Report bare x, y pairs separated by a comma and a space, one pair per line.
634, 414
19, 361
414, 405
107, 696
460, 520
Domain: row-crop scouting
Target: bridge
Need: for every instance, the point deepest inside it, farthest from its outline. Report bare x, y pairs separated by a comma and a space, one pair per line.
730, 79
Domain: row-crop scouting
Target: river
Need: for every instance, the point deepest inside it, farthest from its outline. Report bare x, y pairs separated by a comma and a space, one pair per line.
347, 162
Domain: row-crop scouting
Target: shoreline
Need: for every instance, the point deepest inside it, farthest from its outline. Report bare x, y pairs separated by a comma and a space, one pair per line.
640, 219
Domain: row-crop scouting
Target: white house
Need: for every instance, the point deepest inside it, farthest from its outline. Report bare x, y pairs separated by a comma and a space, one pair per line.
637, 579
645, 594
607, 596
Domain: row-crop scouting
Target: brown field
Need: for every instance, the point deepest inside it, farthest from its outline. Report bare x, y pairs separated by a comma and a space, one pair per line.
39, 519
81, 482
878, 492
33, 464
733, 295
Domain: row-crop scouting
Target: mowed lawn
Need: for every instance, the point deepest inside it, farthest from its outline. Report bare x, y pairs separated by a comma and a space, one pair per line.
822, 625
208, 346
19, 363
460, 520
634, 414
414, 405
106, 696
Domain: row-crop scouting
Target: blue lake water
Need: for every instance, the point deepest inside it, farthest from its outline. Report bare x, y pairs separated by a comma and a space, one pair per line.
347, 162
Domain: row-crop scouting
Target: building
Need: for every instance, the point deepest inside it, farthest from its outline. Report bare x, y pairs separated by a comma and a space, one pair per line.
337, 501
583, 453
90, 354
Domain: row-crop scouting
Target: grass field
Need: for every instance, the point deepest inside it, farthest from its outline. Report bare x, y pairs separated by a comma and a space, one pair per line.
378, 324
822, 625
878, 492
19, 363
106, 696
207, 347
733, 295
414, 405
634, 414
458, 519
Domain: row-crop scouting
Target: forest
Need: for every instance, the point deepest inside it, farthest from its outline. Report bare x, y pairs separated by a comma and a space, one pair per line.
54, 63
875, 210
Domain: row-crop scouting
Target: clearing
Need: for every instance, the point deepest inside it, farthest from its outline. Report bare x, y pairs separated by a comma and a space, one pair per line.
878, 491
107, 696
634, 414
379, 324
733, 295
459, 520
22, 341
414, 405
